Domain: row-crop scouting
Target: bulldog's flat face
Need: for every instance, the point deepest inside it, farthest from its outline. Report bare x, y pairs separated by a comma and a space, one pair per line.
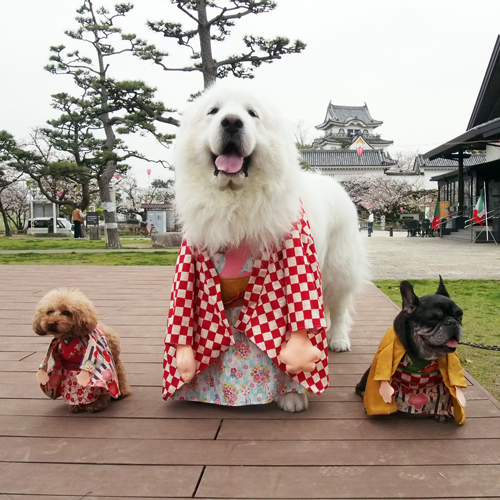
431, 326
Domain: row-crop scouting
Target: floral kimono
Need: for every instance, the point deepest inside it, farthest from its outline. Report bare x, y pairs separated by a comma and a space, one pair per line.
69, 357
421, 387
237, 339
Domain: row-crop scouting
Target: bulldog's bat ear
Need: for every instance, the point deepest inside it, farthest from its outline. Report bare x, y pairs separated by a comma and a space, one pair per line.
410, 300
442, 289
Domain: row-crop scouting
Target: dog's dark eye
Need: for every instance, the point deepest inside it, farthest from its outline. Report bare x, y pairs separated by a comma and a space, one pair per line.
66, 313
213, 111
49, 312
252, 113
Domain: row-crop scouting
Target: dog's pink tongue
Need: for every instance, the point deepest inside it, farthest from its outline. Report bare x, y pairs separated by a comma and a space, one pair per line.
452, 344
231, 163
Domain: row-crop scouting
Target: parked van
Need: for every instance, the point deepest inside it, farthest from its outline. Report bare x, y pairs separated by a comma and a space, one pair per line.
43, 224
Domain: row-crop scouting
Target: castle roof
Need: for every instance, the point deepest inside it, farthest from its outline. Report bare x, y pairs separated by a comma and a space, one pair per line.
374, 158
339, 139
340, 115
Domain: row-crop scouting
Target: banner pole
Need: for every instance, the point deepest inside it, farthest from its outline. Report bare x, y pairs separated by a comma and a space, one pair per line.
486, 212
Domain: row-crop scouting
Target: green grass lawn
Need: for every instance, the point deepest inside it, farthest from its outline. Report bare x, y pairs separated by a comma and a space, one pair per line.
62, 243
479, 300
157, 258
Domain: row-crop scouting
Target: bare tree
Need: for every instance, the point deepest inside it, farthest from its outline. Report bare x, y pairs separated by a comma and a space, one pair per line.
15, 201
405, 160
8, 175
132, 196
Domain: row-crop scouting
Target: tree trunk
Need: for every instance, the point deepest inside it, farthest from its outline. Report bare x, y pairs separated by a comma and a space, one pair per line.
207, 60
5, 220
104, 181
109, 209
85, 195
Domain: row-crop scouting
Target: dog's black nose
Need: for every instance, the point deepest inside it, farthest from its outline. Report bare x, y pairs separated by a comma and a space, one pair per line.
52, 326
231, 124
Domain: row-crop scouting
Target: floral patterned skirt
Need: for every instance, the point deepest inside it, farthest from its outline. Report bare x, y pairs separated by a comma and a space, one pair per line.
74, 394
241, 376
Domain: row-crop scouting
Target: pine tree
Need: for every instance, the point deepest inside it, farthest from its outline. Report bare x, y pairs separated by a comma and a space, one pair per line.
212, 21
102, 104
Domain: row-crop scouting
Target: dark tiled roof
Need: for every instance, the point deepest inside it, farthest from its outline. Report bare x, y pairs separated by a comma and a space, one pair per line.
474, 159
335, 139
342, 114
487, 105
346, 158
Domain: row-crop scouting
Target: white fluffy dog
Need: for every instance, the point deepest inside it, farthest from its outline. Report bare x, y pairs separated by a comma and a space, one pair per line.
238, 177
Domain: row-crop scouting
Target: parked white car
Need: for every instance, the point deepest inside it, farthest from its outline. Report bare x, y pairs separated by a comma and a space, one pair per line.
42, 225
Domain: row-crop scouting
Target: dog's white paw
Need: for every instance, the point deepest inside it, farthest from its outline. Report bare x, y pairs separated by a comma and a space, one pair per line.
339, 345
293, 402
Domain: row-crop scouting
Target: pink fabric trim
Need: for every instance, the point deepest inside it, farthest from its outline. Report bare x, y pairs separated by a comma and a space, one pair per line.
235, 260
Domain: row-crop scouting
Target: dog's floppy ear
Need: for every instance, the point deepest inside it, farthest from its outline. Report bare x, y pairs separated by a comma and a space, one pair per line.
37, 323
410, 300
85, 317
84, 322
442, 289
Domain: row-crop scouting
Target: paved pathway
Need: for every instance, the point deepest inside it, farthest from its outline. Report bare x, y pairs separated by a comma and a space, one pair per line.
397, 257
400, 257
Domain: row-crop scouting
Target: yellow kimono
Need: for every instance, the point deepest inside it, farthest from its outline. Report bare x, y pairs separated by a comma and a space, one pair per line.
385, 364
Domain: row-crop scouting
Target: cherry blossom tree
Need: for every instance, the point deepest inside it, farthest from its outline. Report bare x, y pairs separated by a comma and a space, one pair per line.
386, 195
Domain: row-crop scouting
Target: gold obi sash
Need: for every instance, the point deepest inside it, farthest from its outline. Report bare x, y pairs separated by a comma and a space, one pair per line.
233, 291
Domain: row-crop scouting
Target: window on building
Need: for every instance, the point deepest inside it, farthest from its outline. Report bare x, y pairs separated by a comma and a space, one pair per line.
365, 132
351, 132
341, 131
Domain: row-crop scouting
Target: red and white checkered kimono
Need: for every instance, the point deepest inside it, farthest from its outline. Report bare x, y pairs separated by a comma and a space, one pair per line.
283, 295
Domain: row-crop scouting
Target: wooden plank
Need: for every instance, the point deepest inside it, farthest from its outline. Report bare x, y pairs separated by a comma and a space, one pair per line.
91, 497
86, 497
62, 427
350, 482
136, 408
336, 358
153, 393
383, 428
249, 453
99, 480
14, 355
348, 369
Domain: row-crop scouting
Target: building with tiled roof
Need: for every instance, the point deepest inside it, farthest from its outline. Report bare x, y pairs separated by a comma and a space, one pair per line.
441, 166
344, 163
349, 145
462, 187
349, 127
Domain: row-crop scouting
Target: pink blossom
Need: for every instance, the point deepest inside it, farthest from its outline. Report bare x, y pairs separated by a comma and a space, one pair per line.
418, 400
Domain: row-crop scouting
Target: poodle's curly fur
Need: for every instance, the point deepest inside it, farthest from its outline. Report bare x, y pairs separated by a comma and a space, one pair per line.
65, 314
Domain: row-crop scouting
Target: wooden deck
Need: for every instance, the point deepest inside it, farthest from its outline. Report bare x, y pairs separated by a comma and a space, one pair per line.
143, 447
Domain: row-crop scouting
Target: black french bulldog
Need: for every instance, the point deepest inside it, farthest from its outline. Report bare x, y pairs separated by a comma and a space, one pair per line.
429, 327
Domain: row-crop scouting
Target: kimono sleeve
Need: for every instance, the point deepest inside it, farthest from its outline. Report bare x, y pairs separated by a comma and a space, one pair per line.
181, 312
305, 310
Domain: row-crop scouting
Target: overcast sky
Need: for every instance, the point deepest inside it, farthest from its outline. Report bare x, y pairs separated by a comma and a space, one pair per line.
417, 65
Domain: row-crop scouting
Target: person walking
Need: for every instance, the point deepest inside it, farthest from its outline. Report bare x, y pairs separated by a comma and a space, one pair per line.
370, 223
77, 217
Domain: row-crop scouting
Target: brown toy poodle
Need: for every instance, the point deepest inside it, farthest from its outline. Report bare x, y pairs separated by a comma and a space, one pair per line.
86, 369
